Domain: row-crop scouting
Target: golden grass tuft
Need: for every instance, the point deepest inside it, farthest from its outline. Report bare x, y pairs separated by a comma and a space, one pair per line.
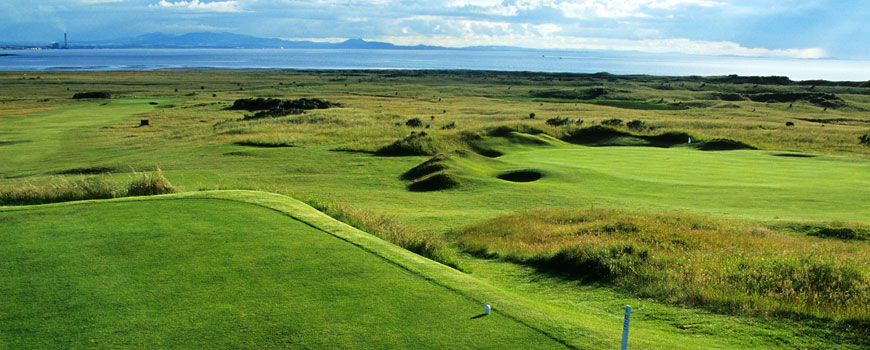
150, 185
722, 265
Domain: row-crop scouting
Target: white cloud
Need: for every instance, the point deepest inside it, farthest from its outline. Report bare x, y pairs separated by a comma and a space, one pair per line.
196, 5
473, 33
582, 8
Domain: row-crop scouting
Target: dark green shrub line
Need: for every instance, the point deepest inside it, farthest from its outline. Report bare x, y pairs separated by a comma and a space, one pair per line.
272, 108
856, 232
260, 104
559, 121
63, 190
264, 144
93, 94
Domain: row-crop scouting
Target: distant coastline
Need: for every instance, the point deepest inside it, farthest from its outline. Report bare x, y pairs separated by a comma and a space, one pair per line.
621, 63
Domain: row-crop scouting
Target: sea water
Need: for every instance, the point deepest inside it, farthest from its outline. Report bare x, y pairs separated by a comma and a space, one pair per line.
499, 60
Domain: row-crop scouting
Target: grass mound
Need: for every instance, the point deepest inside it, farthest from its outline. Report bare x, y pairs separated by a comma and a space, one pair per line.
430, 166
600, 135
687, 260
521, 176
415, 144
435, 182
494, 142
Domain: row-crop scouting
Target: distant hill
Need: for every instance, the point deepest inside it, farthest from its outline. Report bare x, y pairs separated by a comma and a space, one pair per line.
237, 41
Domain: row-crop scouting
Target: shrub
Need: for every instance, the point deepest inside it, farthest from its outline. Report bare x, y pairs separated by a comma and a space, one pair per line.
93, 94
451, 125
636, 125
612, 122
864, 139
414, 122
559, 121
259, 104
150, 185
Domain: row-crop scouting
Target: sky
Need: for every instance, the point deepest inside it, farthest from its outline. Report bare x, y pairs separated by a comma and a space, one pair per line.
780, 28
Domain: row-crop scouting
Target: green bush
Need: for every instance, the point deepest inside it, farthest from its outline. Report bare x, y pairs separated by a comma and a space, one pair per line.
559, 121
414, 122
612, 122
638, 125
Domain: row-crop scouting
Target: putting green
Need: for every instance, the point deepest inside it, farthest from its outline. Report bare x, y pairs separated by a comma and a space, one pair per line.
213, 273
752, 184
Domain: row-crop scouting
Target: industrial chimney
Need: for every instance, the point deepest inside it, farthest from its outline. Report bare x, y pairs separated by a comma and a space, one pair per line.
65, 45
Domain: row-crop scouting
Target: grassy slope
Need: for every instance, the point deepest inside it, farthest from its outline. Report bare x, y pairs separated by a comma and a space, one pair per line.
214, 273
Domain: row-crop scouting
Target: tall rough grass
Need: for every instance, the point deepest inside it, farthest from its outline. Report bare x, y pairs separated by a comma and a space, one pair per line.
724, 266
59, 189
150, 184
62, 189
390, 230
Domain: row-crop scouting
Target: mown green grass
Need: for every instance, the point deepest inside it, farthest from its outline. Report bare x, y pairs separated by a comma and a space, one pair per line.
195, 273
